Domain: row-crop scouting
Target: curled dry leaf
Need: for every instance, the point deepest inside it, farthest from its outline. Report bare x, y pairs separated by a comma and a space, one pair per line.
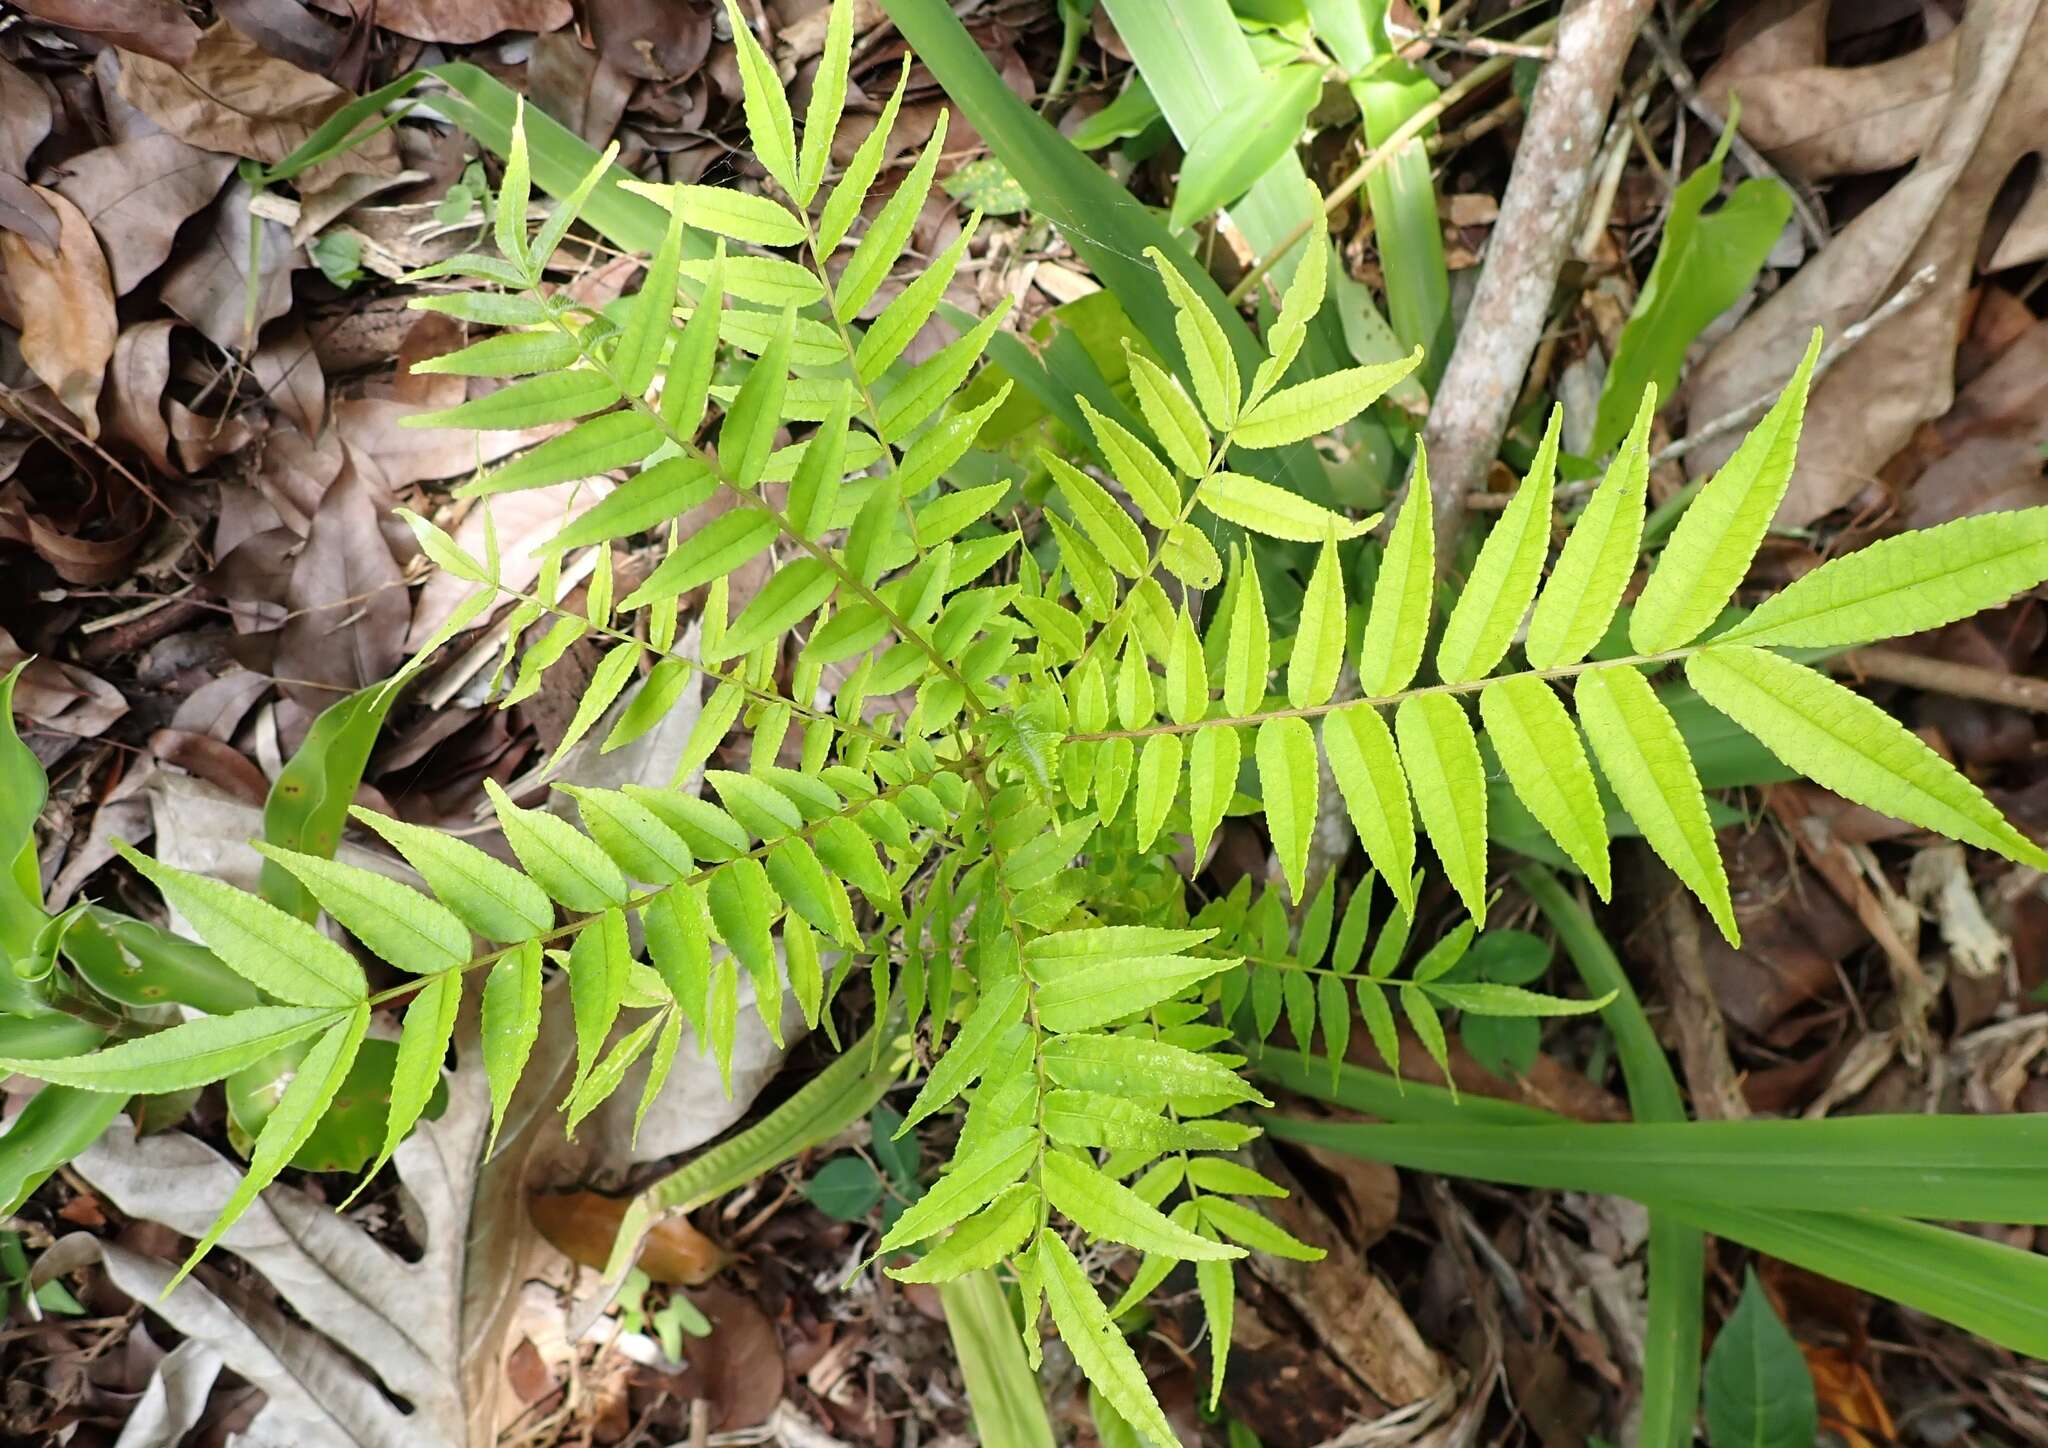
461, 22
234, 98
159, 29
136, 379
582, 1225
59, 703
347, 600
211, 288
1859, 415
66, 299
289, 374
138, 193
24, 117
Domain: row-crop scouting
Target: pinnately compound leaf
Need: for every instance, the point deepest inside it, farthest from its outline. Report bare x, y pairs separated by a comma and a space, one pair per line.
1837, 738
1709, 552
1645, 760
1598, 556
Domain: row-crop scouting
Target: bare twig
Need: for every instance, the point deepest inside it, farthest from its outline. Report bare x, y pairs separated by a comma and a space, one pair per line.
1945, 676
1538, 214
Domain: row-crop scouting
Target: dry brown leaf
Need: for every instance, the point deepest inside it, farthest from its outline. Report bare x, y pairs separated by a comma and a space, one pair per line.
587, 93
138, 193
461, 22
204, 441
219, 764
234, 98
285, 29
136, 379
651, 39
157, 28
347, 599
66, 299
290, 376
582, 1226
1990, 440
1862, 413
24, 117
59, 703
26, 214
211, 287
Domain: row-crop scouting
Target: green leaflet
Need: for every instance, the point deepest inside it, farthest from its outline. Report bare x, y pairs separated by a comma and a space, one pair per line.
1241, 1224
404, 927
1274, 511
1294, 414
1538, 746
1360, 749
1213, 761
1107, 525
1212, 366
530, 402
1599, 555
1709, 551
1217, 1285
1247, 655
1905, 585
1158, 784
489, 896
422, 1047
636, 839
647, 327
566, 864
901, 320
969, 1186
972, 1049
649, 499
1441, 757
1840, 739
1319, 641
1645, 760
201, 1050
1105, 1208
981, 1241
740, 215
597, 965
1398, 625
510, 1025
828, 100
1290, 783
1504, 577
612, 440
1135, 466
1085, 1326
1135, 1066
768, 120
275, 952
747, 435
883, 244
712, 551
305, 1101
843, 205
1170, 413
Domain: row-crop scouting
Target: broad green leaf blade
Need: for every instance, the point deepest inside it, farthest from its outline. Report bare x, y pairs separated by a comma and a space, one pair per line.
1319, 641
1308, 409
1360, 749
1273, 511
1504, 578
1105, 1359
828, 101
1645, 760
1539, 748
1838, 738
1704, 265
1290, 782
1441, 757
275, 952
1105, 1208
768, 120
1709, 551
489, 896
565, 863
1598, 557
1757, 1391
1212, 366
1398, 625
511, 1024
1002, 1385
304, 1102
1905, 585
396, 921
422, 1047
1243, 140
201, 1050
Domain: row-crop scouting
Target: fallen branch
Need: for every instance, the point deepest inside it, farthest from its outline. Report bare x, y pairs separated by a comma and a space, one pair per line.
1538, 216
1945, 676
